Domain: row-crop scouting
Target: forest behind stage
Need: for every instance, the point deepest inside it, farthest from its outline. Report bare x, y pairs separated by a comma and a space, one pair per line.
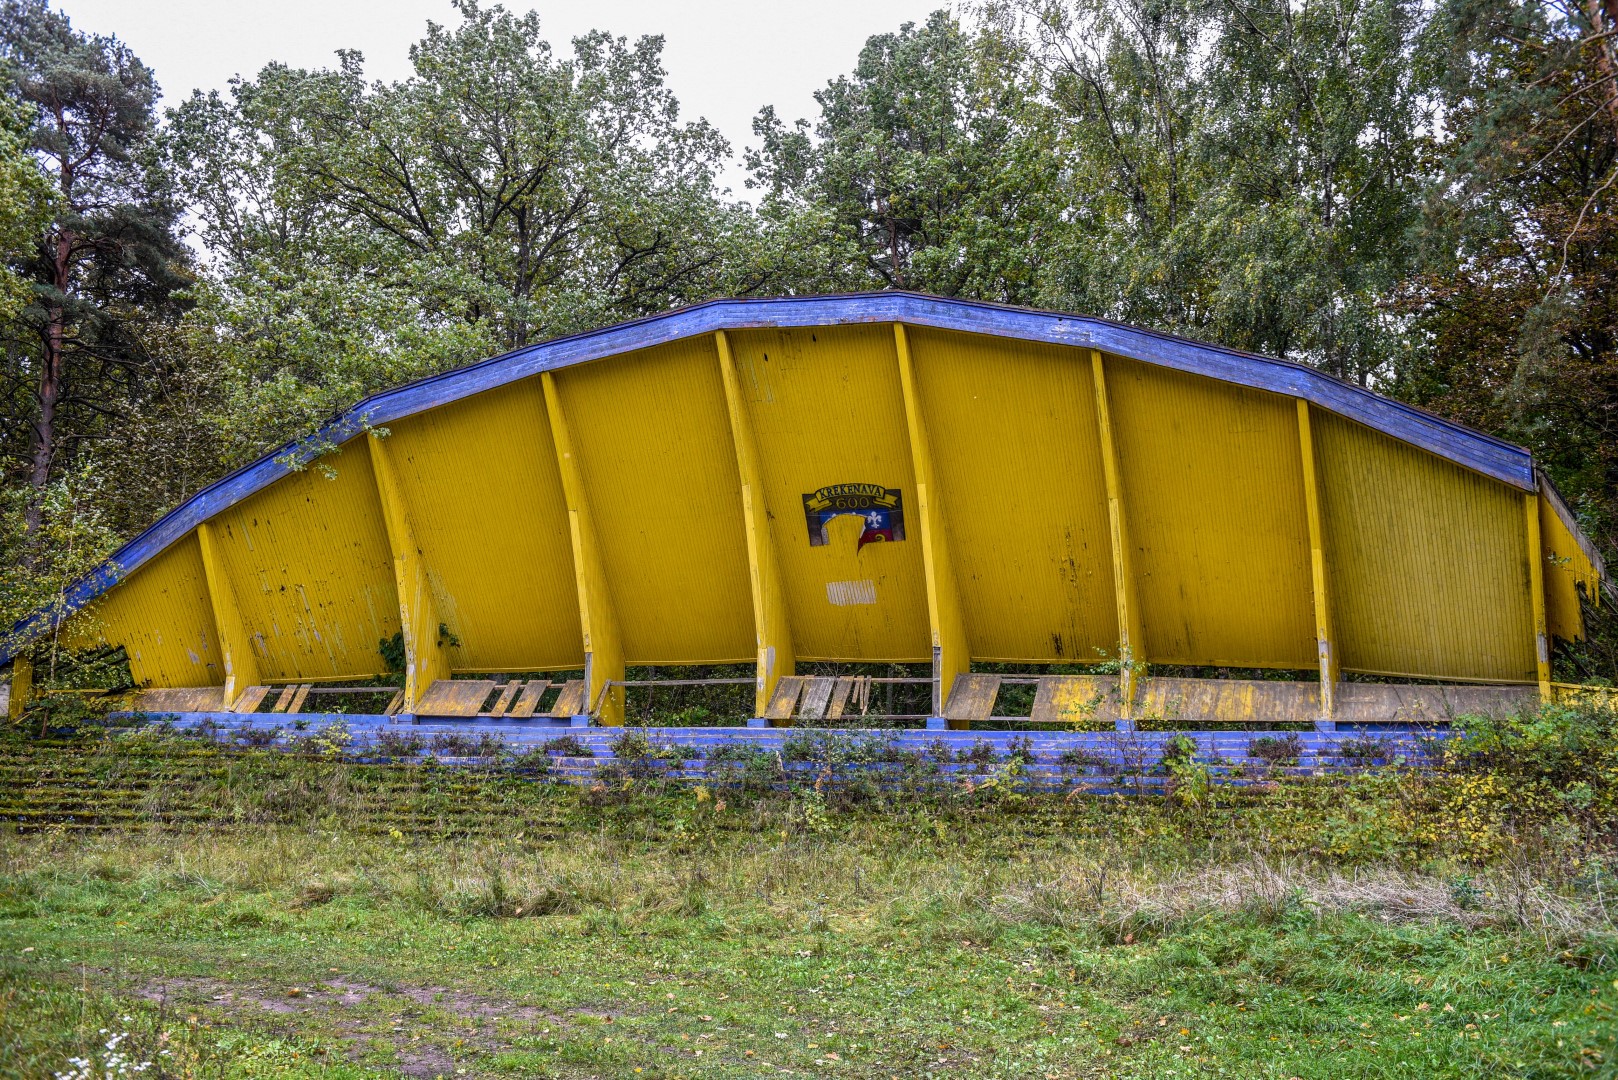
1420, 196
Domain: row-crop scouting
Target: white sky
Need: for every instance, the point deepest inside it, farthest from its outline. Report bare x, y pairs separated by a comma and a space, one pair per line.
725, 58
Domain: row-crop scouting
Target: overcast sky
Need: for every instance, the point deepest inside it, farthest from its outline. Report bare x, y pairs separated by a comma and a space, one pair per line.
725, 58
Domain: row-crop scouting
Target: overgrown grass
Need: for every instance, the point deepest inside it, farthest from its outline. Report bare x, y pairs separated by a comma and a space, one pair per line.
269, 915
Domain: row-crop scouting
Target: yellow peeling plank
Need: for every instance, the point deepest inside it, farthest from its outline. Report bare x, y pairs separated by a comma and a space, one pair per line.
454, 697
250, 699
528, 700
952, 656
235, 647
1071, 699
771, 625
785, 698
570, 699
971, 697
426, 659
1325, 639
1131, 636
1536, 592
603, 646
507, 692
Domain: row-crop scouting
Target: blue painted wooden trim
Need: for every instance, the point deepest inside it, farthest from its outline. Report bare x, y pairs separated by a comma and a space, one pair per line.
1474, 450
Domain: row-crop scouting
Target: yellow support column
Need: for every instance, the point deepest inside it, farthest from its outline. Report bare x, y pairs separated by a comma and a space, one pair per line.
426, 660
235, 644
1536, 589
603, 647
951, 654
1325, 636
1131, 636
774, 631
22, 687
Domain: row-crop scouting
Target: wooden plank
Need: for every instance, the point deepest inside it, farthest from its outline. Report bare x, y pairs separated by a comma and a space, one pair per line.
528, 700
1325, 635
507, 692
168, 699
1071, 699
284, 697
971, 698
298, 698
1228, 701
250, 699
1407, 703
785, 698
598, 619
570, 702
394, 704
773, 631
945, 613
454, 697
1131, 634
839, 696
816, 696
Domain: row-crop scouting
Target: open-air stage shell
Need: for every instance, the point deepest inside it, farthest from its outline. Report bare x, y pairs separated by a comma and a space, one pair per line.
878, 477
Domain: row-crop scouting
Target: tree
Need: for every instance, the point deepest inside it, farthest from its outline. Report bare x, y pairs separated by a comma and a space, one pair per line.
105, 261
931, 164
1518, 304
368, 233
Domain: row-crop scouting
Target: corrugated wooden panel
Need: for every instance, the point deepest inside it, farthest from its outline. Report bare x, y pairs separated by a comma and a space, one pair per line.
1566, 568
1213, 490
312, 571
1013, 432
161, 615
480, 485
1428, 561
827, 409
654, 445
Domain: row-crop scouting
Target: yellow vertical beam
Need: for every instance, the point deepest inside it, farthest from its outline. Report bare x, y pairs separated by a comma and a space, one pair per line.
776, 656
22, 687
951, 654
1131, 636
603, 645
1325, 635
426, 660
1536, 589
235, 644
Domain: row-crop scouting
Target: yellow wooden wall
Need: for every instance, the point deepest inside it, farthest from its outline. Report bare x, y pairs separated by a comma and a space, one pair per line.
654, 445
826, 408
480, 484
162, 618
1427, 562
309, 559
1026, 509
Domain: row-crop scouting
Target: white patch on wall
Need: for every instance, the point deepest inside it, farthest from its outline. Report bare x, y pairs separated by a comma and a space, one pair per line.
849, 593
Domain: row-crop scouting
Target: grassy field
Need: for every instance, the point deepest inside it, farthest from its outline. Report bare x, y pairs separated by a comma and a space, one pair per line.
251, 914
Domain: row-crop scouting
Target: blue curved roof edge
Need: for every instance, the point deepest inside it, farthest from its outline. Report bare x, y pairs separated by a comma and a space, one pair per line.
1483, 453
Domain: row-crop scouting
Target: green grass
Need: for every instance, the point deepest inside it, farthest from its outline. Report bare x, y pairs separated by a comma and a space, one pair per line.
305, 918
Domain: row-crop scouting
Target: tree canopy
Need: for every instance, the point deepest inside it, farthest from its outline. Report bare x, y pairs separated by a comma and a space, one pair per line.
1418, 197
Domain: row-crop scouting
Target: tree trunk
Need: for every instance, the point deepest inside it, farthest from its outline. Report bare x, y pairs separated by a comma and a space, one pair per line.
43, 437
